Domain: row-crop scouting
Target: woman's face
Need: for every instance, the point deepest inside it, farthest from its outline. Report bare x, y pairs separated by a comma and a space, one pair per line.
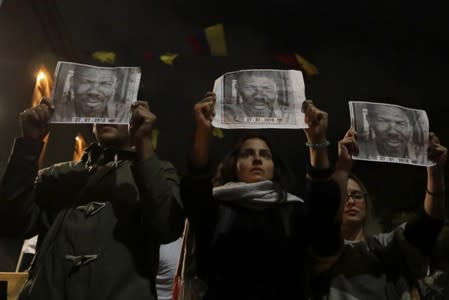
254, 161
355, 207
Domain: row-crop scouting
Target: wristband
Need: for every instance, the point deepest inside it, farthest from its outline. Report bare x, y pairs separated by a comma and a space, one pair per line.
318, 145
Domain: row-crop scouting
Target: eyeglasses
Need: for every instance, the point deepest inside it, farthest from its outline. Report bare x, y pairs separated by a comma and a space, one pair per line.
356, 196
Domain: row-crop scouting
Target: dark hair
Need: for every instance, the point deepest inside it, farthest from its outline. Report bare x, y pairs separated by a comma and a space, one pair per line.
227, 169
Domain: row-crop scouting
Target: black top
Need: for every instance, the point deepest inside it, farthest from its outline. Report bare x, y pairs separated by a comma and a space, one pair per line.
250, 253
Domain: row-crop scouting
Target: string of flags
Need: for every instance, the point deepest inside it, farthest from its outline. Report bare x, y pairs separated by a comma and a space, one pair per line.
211, 41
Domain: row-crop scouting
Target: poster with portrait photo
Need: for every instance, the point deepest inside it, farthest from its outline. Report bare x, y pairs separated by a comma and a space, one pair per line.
91, 94
390, 133
259, 99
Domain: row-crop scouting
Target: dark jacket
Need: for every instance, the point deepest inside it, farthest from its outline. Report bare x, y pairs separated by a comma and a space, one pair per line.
252, 254
100, 221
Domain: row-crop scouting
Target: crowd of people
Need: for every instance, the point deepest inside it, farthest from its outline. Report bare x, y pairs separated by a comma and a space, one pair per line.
113, 225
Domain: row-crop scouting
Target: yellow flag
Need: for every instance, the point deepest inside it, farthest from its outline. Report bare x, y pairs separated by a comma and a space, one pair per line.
104, 56
217, 132
216, 40
169, 58
306, 66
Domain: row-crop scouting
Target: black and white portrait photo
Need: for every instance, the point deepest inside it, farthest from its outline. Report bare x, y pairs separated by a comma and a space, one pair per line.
390, 133
90, 94
260, 99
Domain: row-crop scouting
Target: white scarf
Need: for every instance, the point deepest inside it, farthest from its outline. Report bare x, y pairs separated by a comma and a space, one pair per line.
256, 195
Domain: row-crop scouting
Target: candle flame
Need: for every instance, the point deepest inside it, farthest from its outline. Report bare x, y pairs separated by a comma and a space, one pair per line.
43, 85
41, 76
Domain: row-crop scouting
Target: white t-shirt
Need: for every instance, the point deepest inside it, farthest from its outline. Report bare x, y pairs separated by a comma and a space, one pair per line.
168, 262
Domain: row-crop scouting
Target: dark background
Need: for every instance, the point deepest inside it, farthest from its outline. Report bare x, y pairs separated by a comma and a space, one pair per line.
386, 51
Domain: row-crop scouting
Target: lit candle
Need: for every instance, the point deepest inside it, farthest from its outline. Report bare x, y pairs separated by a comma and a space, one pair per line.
42, 87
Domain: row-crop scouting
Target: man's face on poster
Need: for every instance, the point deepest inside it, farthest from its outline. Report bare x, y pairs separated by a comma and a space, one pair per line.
392, 129
258, 94
93, 89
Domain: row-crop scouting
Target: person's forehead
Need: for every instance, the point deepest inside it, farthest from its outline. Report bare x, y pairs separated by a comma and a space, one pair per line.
255, 143
258, 79
95, 74
353, 185
396, 112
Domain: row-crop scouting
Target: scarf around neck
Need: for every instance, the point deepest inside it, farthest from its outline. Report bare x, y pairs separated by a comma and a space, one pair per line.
253, 195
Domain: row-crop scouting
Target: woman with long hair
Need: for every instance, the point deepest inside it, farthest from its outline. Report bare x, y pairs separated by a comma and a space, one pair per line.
385, 265
251, 235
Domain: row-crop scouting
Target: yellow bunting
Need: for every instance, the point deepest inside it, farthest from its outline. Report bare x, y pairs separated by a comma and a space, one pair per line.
80, 144
216, 40
217, 132
306, 66
154, 137
169, 58
104, 56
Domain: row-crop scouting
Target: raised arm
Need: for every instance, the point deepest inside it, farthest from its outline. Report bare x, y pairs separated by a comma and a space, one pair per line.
423, 231
196, 187
316, 134
434, 201
204, 112
321, 192
18, 209
326, 199
157, 180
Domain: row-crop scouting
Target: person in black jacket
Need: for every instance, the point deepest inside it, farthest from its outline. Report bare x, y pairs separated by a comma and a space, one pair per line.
100, 220
251, 234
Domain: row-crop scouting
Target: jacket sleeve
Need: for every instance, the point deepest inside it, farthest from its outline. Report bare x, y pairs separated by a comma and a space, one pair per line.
398, 256
201, 209
322, 202
19, 213
422, 232
158, 185
200, 206
406, 250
